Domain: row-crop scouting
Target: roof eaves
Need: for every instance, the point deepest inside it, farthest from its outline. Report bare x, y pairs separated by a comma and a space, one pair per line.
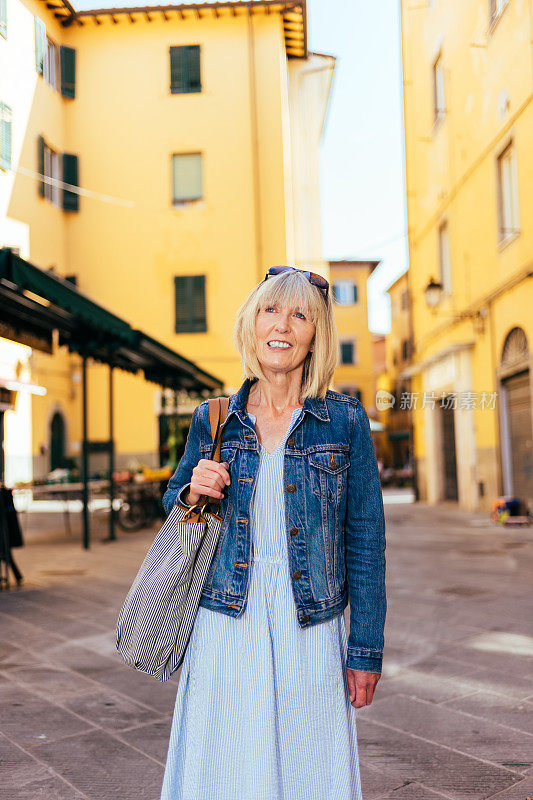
294, 14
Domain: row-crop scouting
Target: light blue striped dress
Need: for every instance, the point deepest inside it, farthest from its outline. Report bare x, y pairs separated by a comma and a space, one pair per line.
262, 708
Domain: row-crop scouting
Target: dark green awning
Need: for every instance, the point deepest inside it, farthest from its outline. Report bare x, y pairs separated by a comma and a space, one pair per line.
35, 302
63, 294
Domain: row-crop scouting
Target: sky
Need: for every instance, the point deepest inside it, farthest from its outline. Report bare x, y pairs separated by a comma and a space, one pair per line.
362, 155
362, 181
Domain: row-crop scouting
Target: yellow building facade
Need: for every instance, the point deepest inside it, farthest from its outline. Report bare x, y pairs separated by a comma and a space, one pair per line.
393, 391
179, 147
354, 374
468, 92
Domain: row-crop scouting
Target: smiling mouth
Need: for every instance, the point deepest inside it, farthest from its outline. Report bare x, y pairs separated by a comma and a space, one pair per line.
276, 344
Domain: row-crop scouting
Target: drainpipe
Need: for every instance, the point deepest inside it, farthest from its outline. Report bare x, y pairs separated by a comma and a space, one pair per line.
261, 269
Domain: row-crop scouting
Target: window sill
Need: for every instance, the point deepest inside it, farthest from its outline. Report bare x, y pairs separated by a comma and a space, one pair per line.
178, 204
185, 91
509, 239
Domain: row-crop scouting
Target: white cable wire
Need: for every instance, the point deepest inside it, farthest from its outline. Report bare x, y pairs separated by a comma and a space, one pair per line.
105, 198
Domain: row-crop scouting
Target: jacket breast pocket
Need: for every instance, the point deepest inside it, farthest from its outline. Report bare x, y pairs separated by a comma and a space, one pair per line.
329, 471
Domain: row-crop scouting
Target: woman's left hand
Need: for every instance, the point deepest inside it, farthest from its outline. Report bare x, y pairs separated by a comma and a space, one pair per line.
361, 686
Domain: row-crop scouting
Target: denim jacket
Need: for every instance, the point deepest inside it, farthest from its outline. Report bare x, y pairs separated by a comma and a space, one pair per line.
335, 523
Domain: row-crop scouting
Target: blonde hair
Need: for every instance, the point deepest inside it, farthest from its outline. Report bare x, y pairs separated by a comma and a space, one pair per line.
294, 290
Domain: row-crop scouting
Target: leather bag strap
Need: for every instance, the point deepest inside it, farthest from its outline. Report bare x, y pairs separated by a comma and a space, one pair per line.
218, 411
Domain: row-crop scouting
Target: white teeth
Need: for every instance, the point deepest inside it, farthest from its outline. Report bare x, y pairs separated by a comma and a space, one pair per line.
278, 344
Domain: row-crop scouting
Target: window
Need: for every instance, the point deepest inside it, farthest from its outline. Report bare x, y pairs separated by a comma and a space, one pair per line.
347, 352
51, 69
439, 108
51, 170
190, 304
56, 64
61, 168
185, 69
40, 44
496, 7
351, 391
509, 223
5, 136
345, 292
3, 18
186, 177
406, 349
444, 258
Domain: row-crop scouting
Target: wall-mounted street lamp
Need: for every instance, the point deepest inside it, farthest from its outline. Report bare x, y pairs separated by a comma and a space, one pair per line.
434, 293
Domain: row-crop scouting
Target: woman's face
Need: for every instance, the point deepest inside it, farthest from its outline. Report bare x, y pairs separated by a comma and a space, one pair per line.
284, 336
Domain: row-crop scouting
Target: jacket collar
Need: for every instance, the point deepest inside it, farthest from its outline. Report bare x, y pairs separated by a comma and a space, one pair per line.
237, 403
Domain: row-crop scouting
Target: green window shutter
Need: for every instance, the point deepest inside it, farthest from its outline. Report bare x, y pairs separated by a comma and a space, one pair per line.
40, 44
40, 164
70, 175
193, 68
5, 136
185, 69
177, 73
3, 18
198, 302
347, 353
68, 71
190, 304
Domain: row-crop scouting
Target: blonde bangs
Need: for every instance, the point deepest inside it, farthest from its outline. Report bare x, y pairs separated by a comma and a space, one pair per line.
293, 290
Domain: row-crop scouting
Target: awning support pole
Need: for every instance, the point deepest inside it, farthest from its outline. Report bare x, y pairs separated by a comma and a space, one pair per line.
85, 457
112, 536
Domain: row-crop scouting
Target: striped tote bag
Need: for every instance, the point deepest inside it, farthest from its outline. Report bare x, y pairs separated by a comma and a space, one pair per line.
157, 617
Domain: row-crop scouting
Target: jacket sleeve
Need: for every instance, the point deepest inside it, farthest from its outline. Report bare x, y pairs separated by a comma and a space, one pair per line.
178, 485
365, 550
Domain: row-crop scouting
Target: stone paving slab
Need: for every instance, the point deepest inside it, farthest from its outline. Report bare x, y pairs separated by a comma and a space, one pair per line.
29, 720
103, 768
482, 738
452, 712
440, 768
522, 791
413, 791
492, 706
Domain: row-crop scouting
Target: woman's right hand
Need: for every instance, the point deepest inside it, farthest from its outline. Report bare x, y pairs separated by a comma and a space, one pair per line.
210, 478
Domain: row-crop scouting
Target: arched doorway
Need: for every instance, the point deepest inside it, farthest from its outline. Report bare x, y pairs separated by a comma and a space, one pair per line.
57, 441
516, 417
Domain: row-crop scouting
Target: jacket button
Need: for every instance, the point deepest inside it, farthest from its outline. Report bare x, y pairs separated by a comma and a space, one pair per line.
296, 574
293, 531
291, 488
305, 618
332, 463
291, 441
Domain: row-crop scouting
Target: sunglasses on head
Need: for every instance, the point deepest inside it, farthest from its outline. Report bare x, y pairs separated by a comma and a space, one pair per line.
312, 277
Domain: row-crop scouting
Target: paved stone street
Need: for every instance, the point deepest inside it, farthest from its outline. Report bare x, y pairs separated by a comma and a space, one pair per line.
452, 715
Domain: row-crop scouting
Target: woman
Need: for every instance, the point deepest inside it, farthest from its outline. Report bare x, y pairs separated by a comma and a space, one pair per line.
268, 687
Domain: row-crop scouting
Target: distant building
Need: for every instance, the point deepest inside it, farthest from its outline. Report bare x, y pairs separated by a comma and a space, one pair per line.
354, 374
395, 401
